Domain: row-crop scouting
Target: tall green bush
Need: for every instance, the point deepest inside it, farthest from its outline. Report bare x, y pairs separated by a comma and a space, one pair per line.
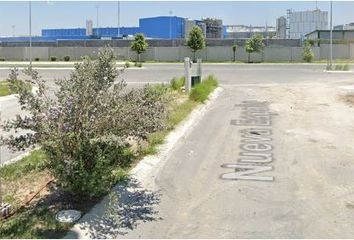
307, 54
84, 130
254, 45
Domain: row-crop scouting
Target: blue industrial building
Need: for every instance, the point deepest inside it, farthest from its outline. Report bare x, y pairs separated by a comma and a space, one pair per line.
169, 27
76, 33
163, 27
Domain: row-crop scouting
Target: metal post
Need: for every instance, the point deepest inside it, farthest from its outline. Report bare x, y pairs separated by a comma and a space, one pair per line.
118, 19
331, 40
187, 74
13, 30
97, 20
199, 68
170, 24
30, 32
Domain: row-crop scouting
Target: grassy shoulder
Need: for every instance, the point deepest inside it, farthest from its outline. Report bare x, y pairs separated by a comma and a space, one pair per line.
5, 88
26, 177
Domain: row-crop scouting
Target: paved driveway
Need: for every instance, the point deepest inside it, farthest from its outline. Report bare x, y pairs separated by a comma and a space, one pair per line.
271, 159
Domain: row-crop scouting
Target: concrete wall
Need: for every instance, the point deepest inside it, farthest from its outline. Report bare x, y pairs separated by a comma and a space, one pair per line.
211, 53
340, 51
151, 42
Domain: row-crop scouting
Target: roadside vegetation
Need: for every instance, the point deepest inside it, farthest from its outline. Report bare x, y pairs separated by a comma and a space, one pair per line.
90, 136
9, 86
202, 90
234, 49
254, 45
338, 67
139, 45
196, 40
307, 54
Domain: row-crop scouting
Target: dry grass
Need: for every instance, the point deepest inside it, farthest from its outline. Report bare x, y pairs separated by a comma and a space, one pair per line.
348, 99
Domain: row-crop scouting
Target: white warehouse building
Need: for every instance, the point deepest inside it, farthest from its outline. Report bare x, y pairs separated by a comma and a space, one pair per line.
304, 22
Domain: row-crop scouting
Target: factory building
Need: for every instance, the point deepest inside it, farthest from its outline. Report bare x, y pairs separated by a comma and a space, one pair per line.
243, 31
213, 28
337, 35
281, 28
298, 24
349, 26
189, 24
73, 33
162, 27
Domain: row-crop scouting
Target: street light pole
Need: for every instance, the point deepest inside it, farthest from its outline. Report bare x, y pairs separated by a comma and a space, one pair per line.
170, 24
118, 19
13, 30
97, 7
30, 33
331, 39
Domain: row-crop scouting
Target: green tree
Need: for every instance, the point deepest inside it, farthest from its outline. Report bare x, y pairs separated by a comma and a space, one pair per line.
196, 40
307, 54
139, 45
234, 48
254, 45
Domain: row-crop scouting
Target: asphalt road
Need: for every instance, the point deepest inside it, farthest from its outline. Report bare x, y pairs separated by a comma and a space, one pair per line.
228, 74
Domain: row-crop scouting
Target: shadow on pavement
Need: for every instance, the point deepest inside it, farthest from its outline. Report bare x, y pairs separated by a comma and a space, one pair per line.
120, 212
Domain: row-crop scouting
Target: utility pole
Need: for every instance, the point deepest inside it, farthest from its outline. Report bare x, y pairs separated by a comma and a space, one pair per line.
118, 5
97, 32
331, 39
170, 24
30, 33
13, 30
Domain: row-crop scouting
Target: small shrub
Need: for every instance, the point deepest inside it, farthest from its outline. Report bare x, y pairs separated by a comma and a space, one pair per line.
2, 59
307, 54
138, 64
211, 80
338, 67
53, 58
36, 59
201, 91
346, 67
127, 64
67, 58
177, 83
341, 67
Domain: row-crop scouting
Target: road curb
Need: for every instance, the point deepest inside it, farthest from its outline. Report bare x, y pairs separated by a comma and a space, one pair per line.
145, 167
19, 157
148, 163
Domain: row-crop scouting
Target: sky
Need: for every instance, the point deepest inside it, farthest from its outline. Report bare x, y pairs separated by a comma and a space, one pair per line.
73, 14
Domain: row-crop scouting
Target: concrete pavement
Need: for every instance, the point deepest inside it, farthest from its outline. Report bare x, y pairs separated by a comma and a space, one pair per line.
301, 133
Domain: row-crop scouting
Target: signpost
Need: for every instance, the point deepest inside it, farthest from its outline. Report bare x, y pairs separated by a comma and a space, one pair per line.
187, 73
191, 79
